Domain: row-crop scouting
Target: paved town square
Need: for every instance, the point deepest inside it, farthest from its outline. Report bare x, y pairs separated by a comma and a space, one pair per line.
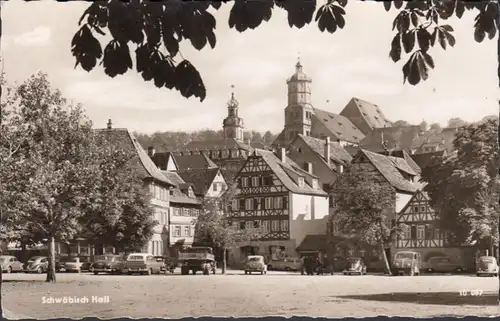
236, 294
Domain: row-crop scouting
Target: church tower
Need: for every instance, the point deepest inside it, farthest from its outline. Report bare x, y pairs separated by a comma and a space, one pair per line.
299, 111
233, 125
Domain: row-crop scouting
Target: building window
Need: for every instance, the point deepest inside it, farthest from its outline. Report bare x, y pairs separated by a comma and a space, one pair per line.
249, 204
268, 180
234, 205
284, 225
268, 203
242, 203
437, 233
187, 230
314, 183
225, 154
256, 203
216, 187
234, 154
244, 181
301, 181
265, 227
275, 225
422, 209
407, 233
278, 202
421, 232
415, 209
255, 181
177, 231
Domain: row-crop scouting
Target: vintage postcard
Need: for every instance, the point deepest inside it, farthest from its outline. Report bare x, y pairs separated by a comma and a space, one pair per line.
318, 158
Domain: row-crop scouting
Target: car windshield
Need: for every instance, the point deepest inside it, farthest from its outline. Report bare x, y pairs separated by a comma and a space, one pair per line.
3, 258
404, 255
254, 259
136, 258
487, 259
73, 260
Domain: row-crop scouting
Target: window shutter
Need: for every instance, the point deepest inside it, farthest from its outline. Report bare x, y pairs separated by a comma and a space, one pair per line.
242, 204
413, 232
238, 182
262, 180
285, 202
255, 203
250, 179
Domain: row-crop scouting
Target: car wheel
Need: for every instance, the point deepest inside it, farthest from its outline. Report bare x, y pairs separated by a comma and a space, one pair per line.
269, 267
194, 272
495, 275
95, 273
261, 272
9, 270
246, 272
478, 274
39, 270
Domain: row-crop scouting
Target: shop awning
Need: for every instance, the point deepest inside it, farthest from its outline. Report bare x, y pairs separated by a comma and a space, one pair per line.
313, 243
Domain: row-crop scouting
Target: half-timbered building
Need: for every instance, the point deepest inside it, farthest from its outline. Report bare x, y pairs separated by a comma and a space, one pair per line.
283, 200
421, 233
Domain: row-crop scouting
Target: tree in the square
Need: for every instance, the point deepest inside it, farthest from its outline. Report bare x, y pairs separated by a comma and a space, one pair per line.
366, 208
216, 225
119, 211
464, 187
51, 173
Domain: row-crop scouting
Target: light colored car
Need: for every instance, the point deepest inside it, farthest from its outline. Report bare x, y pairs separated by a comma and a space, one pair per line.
444, 265
37, 264
487, 265
73, 265
355, 265
10, 263
255, 263
143, 263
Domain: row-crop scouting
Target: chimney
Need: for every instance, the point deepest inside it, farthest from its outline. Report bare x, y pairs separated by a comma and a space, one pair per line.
340, 169
309, 168
282, 154
109, 124
327, 150
151, 151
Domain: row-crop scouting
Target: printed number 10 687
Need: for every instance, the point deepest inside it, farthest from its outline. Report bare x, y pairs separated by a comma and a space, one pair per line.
471, 292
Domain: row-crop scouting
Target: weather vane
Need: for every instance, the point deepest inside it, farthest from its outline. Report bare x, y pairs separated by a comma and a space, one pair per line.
232, 91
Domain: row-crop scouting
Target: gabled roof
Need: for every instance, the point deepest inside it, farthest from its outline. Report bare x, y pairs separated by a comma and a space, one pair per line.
123, 138
178, 195
161, 160
412, 198
397, 138
217, 144
196, 161
201, 178
337, 153
426, 159
339, 126
369, 112
391, 167
404, 154
289, 172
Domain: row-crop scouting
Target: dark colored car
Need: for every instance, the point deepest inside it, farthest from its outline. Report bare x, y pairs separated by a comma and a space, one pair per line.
444, 265
108, 263
60, 262
355, 265
162, 259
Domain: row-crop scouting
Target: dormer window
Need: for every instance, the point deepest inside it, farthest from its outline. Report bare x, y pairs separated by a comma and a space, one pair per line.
301, 181
315, 183
190, 192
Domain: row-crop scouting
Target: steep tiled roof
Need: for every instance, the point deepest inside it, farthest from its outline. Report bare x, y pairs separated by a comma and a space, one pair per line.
391, 167
337, 153
407, 137
425, 159
289, 172
218, 144
369, 113
161, 159
404, 154
279, 140
123, 138
339, 126
201, 178
194, 161
259, 145
178, 196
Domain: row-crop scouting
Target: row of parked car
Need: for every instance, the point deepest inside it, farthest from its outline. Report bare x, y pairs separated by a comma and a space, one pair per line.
142, 263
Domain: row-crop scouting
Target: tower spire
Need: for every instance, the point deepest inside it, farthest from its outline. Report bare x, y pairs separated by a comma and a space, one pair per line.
298, 65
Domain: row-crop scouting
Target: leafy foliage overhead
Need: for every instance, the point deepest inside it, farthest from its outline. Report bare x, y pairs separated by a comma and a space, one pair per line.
464, 187
155, 29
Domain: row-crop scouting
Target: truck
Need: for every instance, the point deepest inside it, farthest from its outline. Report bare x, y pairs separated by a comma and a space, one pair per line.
199, 258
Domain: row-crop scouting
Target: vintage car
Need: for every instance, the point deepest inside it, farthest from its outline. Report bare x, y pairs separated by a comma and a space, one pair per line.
142, 263
285, 264
197, 258
108, 263
255, 263
487, 265
406, 262
161, 260
444, 265
10, 263
355, 265
73, 264
37, 264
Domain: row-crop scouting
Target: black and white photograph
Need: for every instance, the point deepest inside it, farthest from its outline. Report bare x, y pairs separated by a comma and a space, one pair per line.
249, 158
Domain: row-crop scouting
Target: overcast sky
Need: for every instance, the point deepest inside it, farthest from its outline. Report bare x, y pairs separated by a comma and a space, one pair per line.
352, 62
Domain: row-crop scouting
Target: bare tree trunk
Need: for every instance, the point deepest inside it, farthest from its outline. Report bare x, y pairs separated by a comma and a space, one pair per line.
51, 271
386, 261
224, 259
